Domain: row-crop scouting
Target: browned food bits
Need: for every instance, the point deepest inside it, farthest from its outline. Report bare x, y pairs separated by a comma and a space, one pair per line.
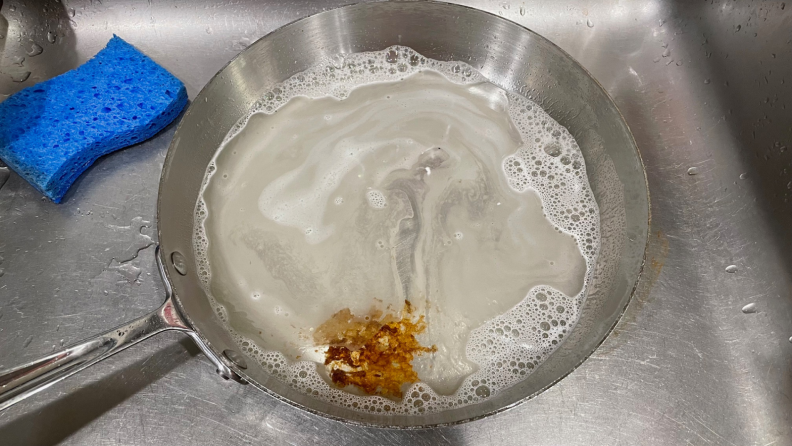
374, 353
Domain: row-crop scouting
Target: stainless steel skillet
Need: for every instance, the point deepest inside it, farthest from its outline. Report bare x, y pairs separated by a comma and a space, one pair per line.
509, 55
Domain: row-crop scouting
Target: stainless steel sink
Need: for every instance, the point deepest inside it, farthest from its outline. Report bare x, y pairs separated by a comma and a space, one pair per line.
705, 87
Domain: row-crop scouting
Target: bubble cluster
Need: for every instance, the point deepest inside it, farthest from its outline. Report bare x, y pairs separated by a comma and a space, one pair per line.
550, 162
376, 199
513, 344
338, 75
305, 377
200, 241
510, 346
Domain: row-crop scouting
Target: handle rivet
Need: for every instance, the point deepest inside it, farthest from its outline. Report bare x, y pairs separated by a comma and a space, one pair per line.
179, 263
235, 358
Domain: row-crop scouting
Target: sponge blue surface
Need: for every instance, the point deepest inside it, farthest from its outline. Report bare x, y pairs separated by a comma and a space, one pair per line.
51, 132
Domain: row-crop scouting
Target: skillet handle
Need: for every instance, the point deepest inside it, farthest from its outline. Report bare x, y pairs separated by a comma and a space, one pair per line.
28, 379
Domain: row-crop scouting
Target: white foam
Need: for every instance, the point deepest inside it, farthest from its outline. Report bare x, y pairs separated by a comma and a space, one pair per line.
503, 350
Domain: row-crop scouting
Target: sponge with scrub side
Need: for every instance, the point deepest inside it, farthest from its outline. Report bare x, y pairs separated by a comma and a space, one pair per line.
51, 132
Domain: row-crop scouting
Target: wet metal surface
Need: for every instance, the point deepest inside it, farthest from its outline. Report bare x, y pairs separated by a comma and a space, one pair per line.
702, 84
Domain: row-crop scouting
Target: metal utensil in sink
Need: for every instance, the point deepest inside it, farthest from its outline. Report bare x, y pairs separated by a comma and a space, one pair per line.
509, 55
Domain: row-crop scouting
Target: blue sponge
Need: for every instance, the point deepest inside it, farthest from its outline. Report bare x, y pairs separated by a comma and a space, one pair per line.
51, 132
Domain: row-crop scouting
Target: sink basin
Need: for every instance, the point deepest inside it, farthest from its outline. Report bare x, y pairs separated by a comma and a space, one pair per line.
705, 88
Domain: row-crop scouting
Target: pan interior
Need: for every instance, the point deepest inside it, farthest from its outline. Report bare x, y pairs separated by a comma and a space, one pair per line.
386, 177
514, 59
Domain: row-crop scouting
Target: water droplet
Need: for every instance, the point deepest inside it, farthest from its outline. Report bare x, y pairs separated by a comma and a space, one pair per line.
750, 308
522, 10
129, 271
20, 77
35, 50
241, 44
589, 23
744, 175
739, 27
667, 52
731, 269
51, 37
693, 171
12, 8
209, 30
790, 339
707, 81
2, 271
679, 63
789, 185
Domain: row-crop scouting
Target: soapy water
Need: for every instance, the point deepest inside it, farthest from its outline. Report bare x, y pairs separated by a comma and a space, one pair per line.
383, 176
